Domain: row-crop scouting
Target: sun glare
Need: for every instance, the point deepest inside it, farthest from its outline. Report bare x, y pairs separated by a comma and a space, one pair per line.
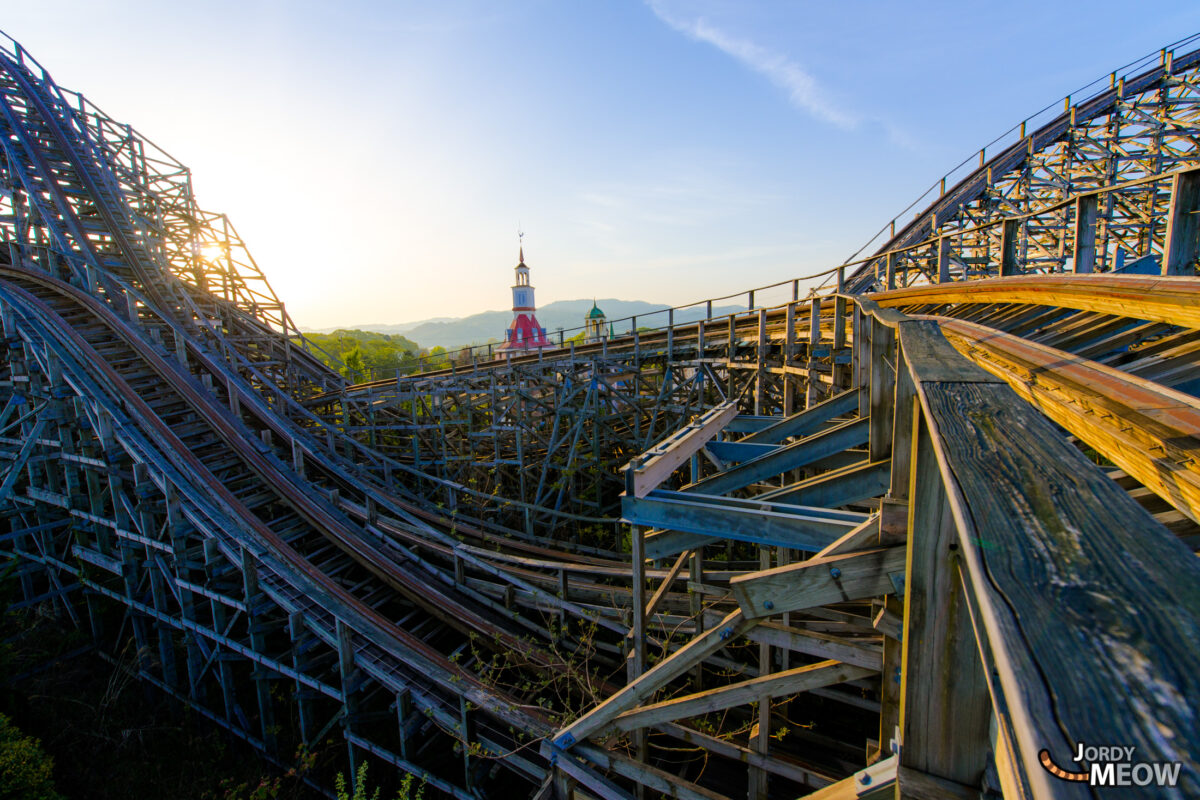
212, 252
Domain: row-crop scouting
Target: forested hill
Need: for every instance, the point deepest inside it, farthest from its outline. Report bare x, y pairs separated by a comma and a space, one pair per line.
566, 314
363, 355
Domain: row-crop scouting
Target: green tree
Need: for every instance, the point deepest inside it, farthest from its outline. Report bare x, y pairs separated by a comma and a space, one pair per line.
26, 772
355, 368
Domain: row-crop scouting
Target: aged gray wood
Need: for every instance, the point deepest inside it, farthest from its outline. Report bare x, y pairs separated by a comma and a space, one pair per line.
818, 581
944, 704
1081, 594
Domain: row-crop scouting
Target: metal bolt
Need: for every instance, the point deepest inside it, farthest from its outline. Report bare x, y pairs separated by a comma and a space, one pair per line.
864, 779
725, 634
835, 572
768, 605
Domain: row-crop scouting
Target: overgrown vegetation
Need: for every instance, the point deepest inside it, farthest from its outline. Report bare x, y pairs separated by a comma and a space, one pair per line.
74, 725
26, 772
365, 355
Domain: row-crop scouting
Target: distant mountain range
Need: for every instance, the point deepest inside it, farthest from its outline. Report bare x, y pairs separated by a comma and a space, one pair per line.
451, 332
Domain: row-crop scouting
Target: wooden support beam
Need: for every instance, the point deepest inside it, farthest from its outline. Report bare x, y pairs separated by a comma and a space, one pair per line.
646, 775
943, 259
1039, 528
664, 587
693, 520
1182, 244
837, 487
1086, 209
667, 670
944, 704
812, 389
776, 765
807, 421
1008, 247
883, 379
798, 454
793, 681
674, 451
815, 643
819, 581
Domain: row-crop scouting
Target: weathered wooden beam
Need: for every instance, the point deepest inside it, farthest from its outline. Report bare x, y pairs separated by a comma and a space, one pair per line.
674, 451
1182, 242
776, 765
819, 581
815, 643
883, 379
876, 782
1064, 567
1136, 296
793, 681
1149, 431
662, 673
647, 775
806, 422
838, 487
944, 704
1086, 209
943, 259
798, 454
690, 520
663, 587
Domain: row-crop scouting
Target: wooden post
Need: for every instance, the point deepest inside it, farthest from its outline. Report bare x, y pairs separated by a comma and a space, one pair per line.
761, 733
891, 270
760, 381
814, 338
730, 355
1183, 225
861, 358
1008, 247
1086, 207
637, 660
789, 342
943, 259
839, 343
670, 334
882, 384
945, 708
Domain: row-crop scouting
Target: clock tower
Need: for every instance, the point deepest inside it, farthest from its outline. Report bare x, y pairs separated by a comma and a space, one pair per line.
524, 332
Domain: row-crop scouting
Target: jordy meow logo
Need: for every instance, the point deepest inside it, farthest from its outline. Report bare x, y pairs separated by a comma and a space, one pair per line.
1113, 765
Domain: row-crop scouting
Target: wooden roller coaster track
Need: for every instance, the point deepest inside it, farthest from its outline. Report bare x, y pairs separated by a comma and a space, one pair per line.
923, 534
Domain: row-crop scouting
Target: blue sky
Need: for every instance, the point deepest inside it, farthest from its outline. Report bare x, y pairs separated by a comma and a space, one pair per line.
379, 157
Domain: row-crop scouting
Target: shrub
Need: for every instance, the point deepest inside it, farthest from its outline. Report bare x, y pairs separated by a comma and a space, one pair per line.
26, 772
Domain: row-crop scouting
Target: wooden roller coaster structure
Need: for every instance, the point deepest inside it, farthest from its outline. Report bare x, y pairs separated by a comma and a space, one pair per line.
923, 532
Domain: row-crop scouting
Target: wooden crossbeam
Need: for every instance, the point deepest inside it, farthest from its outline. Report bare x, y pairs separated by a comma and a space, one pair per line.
670, 454
812, 448
692, 520
838, 487
819, 581
792, 681
808, 421
644, 687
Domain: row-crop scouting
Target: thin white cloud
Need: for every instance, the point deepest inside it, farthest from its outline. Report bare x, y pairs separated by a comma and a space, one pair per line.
802, 88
